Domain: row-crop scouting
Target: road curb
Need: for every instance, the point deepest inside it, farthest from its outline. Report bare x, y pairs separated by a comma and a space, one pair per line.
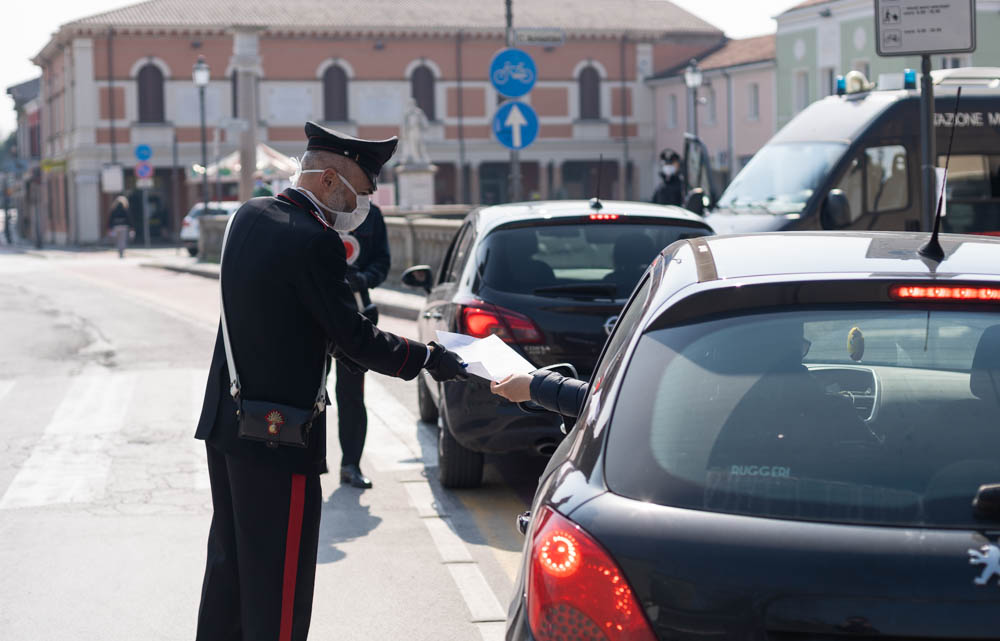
386, 307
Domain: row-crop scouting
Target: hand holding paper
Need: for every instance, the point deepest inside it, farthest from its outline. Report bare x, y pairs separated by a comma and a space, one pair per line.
488, 358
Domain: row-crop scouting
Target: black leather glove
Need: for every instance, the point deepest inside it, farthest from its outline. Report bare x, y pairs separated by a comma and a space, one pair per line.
357, 281
444, 365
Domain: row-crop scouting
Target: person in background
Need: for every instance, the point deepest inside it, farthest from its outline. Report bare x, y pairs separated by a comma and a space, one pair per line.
671, 189
368, 262
119, 225
260, 187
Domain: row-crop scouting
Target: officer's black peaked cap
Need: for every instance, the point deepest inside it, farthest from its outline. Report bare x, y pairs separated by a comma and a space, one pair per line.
369, 154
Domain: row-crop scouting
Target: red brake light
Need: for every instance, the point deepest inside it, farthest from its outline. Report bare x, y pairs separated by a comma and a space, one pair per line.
510, 326
604, 216
576, 590
921, 292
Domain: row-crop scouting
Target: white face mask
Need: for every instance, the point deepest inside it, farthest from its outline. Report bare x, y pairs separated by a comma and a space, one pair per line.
668, 170
343, 221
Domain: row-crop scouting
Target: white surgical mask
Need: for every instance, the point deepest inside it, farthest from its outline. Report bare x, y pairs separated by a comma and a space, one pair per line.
668, 170
343, 221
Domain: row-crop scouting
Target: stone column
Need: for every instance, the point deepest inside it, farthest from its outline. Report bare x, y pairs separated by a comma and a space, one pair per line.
557, 183
474, 183
84, 166
246, 64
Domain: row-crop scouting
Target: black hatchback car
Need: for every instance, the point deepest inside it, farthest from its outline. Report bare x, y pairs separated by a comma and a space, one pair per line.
549, 278
788, 437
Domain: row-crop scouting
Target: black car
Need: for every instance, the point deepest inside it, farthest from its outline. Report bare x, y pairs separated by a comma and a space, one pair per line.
788, 437
549, 278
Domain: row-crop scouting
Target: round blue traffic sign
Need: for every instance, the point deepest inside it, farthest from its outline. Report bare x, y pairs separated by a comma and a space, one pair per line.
515, 124
143, 152
513, 73
143, 169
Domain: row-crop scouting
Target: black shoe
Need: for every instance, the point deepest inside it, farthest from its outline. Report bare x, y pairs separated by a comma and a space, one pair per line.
352, 474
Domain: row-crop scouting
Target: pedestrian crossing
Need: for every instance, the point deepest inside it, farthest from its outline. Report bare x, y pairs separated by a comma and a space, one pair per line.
123, 440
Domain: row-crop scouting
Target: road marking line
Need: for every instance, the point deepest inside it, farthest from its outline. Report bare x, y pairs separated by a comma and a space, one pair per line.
422, 498
69, 463
449, 545
492, 631
479, 598
5, 388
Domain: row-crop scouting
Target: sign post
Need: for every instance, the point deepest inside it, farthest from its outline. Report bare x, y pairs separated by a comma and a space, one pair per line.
925, 28
513, 74
144, 181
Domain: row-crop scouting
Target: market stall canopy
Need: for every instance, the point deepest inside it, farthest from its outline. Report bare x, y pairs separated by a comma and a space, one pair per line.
271, 165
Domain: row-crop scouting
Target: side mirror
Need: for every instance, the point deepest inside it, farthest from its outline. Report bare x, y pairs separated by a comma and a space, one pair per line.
695, 201
836, 213
419, 277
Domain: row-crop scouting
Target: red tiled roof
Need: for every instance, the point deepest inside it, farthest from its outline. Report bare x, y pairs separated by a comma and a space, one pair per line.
595, 16
740, 52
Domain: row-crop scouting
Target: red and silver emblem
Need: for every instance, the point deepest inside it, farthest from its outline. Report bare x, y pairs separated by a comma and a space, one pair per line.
352, 248
274, 421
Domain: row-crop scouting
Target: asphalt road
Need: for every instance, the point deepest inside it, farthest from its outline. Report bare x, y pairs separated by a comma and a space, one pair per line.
104, 502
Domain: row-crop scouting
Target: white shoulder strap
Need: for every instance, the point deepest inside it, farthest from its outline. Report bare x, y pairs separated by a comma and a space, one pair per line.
234, 377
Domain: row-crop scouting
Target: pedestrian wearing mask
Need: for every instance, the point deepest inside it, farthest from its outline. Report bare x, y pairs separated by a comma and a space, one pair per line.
368, 259
119, 224
671, 189
285, 306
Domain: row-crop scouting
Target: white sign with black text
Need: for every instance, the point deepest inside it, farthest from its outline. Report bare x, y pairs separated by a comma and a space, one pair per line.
919, 27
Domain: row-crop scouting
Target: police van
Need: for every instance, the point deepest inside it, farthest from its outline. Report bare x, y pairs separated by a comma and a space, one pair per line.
852, 161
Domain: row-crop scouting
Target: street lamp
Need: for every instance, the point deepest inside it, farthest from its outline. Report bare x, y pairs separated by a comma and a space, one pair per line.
692, 78
201, 75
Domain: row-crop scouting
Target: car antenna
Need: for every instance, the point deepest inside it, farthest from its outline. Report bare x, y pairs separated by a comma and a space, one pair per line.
932, 248
595, 203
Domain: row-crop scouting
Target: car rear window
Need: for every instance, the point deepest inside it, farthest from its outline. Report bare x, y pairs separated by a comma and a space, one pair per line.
598, 258
871, 416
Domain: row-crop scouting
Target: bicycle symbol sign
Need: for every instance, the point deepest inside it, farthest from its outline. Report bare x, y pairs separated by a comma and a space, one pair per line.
513, 73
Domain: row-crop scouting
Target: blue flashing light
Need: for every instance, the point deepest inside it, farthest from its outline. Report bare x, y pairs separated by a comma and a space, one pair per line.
841, 86
909, 78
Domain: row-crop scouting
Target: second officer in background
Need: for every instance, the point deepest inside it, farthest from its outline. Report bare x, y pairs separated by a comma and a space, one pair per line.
368, 260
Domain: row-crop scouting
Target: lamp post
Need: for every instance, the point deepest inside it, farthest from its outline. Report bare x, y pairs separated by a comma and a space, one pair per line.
201, 75
692, 78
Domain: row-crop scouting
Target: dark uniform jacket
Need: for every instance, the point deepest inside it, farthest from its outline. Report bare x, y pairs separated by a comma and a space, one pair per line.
670, 191
288, 306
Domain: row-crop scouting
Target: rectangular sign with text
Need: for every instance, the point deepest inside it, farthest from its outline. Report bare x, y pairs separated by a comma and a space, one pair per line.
920, 27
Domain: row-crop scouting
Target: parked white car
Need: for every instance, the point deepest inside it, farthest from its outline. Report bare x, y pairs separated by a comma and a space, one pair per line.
190, 226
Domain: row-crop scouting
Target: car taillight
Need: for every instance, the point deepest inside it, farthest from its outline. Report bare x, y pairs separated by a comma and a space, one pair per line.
482, 320
946, 292
576, 590
186, 223
604, 216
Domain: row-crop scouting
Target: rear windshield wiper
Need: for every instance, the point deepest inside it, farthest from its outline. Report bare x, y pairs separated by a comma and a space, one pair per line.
987, 501
595, 290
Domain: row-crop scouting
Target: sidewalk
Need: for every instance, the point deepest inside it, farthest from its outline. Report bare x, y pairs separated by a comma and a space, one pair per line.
390, 302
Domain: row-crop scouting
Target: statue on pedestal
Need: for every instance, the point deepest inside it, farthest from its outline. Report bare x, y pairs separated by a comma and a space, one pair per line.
412, 150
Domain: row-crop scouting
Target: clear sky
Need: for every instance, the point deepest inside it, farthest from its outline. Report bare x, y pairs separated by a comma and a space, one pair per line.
29, 24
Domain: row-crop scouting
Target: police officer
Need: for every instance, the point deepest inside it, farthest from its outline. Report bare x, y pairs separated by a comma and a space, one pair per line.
367, 250
671, 189
287, 305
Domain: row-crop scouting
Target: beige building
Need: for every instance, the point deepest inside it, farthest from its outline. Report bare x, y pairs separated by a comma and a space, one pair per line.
123, 78
735, 104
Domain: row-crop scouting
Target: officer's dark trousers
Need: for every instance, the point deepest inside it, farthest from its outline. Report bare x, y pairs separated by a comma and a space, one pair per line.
261, 552
351, 414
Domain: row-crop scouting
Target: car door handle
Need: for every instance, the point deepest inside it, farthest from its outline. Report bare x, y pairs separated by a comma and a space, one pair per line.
434, 315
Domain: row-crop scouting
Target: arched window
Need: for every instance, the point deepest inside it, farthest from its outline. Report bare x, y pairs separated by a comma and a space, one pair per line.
422, 90
335, 94
150, 81
590, 93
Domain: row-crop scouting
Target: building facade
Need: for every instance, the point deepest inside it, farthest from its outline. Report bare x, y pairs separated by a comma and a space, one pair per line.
818, 40
117, 80
23, 173
735, 109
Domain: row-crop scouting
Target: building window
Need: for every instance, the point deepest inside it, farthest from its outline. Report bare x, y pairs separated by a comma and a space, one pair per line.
828, 82
236, 93
753, 102
672, 112
801, 90
712, 104
590, 93
150, 81
335, 94
422, 90
952, 62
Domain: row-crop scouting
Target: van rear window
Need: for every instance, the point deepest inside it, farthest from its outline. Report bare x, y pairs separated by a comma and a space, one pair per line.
871, 416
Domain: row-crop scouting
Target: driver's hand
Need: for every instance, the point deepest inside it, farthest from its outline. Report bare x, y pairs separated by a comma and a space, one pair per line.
515, 388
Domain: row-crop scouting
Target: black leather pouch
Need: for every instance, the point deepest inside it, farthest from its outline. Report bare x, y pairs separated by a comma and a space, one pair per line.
274, 423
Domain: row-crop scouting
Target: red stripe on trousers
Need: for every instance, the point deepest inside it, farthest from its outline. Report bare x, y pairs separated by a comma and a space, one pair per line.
295, 508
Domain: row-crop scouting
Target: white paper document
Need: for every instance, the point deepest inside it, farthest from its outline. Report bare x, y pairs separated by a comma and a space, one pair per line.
488, 358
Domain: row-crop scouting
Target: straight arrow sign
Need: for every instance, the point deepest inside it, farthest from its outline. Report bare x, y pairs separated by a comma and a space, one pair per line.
515, 120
